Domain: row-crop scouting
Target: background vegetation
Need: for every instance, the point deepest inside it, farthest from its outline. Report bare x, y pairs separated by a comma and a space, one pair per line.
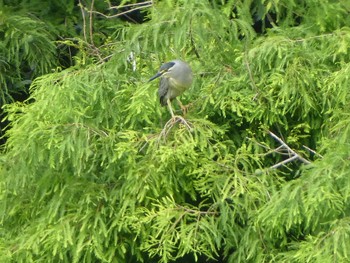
92, 171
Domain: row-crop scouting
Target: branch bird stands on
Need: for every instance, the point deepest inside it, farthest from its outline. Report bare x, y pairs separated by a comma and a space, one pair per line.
175, 77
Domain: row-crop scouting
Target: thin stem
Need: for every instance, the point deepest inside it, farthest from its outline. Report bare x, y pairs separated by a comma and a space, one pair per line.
91, 31
84, 20
293, 153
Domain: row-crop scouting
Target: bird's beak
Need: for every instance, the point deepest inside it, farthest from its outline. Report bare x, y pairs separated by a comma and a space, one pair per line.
156, 76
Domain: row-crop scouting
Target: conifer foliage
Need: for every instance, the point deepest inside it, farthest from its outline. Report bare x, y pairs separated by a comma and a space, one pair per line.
94, 170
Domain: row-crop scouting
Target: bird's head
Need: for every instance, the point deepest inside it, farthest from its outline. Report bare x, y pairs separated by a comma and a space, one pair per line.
164, 69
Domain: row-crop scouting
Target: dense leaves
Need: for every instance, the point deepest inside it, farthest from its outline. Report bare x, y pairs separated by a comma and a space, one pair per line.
95, 170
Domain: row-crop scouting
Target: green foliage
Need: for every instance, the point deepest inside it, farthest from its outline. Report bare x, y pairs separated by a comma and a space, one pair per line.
95, 171
26, 51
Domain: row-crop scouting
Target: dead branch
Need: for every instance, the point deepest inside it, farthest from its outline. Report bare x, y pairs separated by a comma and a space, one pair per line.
293, 155
312, 151
139, 6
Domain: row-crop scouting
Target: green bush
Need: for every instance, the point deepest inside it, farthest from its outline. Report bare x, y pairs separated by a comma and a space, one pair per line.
95, 170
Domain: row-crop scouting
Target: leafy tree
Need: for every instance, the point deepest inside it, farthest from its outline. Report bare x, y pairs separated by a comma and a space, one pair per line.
94, 170
26, 51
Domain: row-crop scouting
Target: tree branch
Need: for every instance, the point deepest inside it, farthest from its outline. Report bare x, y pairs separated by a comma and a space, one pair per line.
277, 165
312, 151
140, 6
294, 155
84, 20
192, 41
90, 21
250, 74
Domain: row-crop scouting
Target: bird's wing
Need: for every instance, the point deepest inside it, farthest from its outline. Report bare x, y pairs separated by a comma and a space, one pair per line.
163, 90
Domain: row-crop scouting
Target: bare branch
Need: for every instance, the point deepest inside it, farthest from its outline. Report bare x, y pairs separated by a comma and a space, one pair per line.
84, 21
283, 149
141, 6
128, 5
277, 165
293, 153
91, 31
313, 151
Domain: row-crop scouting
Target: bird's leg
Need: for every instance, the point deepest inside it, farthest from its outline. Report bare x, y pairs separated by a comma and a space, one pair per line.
170, 108
174, 119
183, 108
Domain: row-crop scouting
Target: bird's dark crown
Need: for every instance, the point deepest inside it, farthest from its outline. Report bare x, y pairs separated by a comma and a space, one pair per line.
166, 66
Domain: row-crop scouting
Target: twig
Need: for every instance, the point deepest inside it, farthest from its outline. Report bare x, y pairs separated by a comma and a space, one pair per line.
280, 149
147, 140
89, 128
84, 21
192, 41
128, 5
171, 228
192, 211
283, 149
269, 17
284, 162
259, 144
313, 37
250, 74
91, 7
293, 154
313, 151
123, 13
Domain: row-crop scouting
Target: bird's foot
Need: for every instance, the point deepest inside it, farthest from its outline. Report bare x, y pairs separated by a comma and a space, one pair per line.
181, 120
184, 108
171, 122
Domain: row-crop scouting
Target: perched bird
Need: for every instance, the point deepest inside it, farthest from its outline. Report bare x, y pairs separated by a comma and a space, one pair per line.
175, 77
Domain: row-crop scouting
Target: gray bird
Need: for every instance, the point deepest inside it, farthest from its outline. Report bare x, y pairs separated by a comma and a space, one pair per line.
175, 77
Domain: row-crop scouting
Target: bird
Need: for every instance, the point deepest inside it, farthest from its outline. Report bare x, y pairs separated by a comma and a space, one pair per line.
175, 78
